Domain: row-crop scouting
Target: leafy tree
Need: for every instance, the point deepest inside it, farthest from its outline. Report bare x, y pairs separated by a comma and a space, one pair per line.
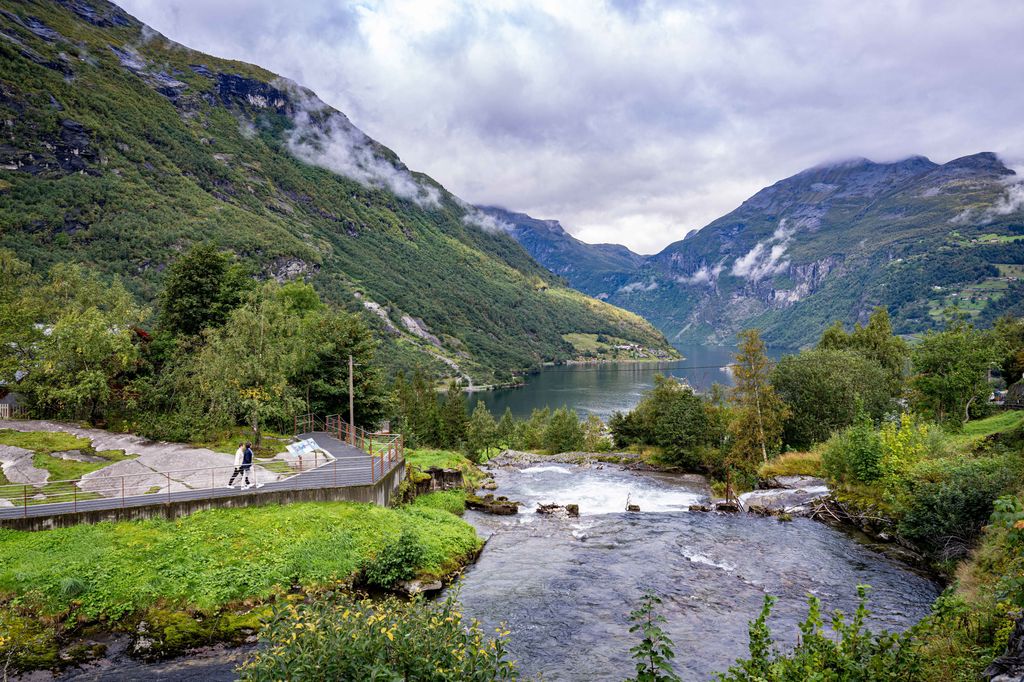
481, 432
1010, 332
243, 370
824, 389
89, 349
875, 341
759, 412
950, 369
200, 290
594, 439
20, 309
563, 432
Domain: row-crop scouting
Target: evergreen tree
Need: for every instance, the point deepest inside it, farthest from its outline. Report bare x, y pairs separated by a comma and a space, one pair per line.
507, 429
453, 418
759, 412
481, 433
563, 432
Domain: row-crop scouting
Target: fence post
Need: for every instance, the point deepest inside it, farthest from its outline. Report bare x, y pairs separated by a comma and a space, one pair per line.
24, 501
74, 492
122, 492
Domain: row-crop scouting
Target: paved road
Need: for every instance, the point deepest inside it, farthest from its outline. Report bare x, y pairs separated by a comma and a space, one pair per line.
351, 467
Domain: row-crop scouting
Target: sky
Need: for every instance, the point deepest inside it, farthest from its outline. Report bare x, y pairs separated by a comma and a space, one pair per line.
635, 122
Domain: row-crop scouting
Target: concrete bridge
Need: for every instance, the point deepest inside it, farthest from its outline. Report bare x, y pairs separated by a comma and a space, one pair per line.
339, 471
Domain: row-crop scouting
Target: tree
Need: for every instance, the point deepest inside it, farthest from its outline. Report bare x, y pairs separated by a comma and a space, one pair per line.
875, 341
89, 348
243, 370
760, 413
950, 371
594, 439
824, 389
20, 309
453, 418
201, 289
563, 432
481, 432
507, 428
1010, 332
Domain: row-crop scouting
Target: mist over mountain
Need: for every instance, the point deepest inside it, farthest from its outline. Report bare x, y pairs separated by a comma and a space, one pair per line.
829, 243
119, 148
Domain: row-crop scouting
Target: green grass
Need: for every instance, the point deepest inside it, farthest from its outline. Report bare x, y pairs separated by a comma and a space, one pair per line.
793, 464
69, 470
452, 501
43, 441
1010, 270
216, 557
444, 459
980, 428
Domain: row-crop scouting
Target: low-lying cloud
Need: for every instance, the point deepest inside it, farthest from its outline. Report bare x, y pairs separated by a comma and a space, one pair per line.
633, 122
326, 138
766, 258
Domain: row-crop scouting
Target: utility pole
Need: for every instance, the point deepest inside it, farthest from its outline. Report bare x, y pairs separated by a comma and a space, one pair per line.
351, 403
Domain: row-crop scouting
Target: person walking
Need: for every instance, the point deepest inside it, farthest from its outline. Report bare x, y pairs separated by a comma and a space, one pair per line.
247, 466
240, 467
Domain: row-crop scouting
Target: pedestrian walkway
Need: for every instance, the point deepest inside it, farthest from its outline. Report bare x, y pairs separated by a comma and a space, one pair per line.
344, 466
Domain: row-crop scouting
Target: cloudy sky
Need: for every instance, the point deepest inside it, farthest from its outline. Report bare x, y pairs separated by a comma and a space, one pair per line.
635, 122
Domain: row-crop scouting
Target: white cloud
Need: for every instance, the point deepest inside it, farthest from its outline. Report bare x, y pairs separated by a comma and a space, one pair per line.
765, 259
486, 221
703, 275
635, 122
638, 286
326, 138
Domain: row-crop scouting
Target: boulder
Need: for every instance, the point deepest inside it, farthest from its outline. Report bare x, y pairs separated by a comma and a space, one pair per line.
699, 508
730, 507
489, 505
632, 507
572, 509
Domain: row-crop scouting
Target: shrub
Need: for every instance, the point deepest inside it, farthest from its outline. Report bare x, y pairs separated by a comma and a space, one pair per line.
654, 654
853, 653
398, 560
339, 637
854, 454
947, 502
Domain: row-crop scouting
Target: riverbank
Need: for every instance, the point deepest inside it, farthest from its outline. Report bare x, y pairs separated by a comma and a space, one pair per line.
208, 577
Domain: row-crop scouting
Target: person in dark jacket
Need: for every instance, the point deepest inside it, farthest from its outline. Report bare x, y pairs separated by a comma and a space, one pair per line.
240, 465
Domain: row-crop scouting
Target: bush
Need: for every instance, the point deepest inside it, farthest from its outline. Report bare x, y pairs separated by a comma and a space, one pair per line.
948, 502
854, 454
339, 637
793, 464
397, 561
854, 653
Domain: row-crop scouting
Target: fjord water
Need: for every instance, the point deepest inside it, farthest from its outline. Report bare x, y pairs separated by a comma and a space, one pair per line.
565, 586
602, 389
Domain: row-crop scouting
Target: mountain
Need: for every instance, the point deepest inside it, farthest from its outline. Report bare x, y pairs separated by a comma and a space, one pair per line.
831, 243
120, 148
587, 267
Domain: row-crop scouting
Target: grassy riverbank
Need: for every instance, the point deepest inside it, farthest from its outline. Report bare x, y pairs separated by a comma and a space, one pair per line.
199, 578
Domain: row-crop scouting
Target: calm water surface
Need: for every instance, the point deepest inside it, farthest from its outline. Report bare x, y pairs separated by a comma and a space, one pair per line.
603, 389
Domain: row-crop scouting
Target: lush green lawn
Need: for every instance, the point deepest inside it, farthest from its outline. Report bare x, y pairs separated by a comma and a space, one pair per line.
69, 470
452, 501
980, 428
215, 557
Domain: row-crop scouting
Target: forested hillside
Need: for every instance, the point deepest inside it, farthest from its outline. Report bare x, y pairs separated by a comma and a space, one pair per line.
120, 149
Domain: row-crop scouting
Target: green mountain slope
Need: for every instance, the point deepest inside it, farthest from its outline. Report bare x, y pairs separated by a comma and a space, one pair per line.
119, 148
831, 243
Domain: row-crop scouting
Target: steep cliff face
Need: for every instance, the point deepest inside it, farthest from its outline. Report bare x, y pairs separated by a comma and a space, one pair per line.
119, 148
831, 243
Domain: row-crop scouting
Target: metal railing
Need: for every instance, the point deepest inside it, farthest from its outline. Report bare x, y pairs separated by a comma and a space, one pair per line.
386, 450
144, 488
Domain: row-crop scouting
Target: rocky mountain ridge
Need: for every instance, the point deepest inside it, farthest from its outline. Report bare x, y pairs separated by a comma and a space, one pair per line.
828, 243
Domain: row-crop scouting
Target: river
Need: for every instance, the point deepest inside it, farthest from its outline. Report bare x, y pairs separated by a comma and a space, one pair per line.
602, 389
565, 586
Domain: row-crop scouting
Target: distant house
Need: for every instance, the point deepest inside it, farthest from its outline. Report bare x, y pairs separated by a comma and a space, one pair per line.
1014, 399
